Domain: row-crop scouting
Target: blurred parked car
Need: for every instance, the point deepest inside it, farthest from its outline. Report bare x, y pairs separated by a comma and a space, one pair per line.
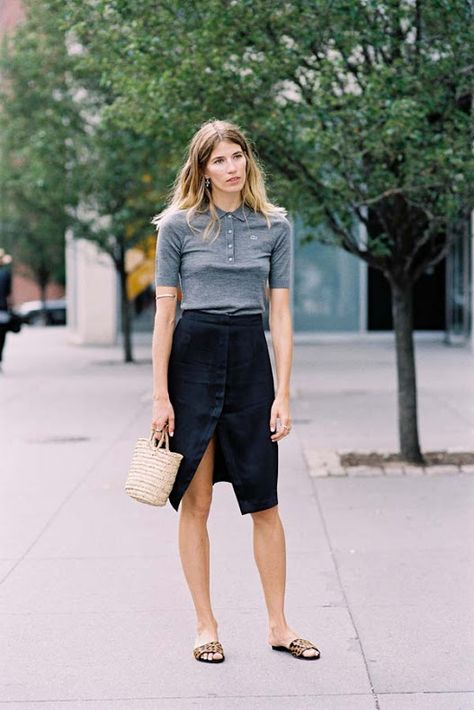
31, 312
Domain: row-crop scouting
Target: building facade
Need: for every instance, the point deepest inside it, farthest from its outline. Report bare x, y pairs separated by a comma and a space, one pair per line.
335, 292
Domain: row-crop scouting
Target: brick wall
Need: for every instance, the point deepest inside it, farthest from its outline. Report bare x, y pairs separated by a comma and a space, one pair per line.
11, 12
24, 289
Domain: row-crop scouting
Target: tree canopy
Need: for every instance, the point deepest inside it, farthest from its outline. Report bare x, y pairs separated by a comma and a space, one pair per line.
355, 107
38, 116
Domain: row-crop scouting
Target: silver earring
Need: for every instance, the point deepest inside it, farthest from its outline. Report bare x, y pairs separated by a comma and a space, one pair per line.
207, 182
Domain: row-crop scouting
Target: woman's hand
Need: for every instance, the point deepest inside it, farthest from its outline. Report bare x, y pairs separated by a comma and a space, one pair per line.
162, 415
280, 411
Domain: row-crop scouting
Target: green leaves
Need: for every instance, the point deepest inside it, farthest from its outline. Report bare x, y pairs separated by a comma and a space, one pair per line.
37, 113
348, 103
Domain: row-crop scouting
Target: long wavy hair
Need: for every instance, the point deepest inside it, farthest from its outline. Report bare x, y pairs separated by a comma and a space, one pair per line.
189, 191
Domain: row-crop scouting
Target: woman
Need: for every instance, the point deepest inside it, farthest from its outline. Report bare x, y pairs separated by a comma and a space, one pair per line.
213, 381
5, 296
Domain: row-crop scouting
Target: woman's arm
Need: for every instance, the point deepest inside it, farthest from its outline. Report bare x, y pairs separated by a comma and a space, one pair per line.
281, 329
165, 318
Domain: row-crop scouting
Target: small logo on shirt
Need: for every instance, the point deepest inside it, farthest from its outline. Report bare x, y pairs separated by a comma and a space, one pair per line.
253, 236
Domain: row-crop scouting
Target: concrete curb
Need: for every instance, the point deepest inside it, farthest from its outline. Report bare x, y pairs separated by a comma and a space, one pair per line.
327, 462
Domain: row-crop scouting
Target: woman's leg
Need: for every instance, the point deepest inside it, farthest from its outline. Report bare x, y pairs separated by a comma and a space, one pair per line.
3, 335
194, 546
270, 556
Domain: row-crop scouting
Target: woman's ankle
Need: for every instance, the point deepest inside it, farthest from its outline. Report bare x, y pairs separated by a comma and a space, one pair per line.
204, 624
277, 626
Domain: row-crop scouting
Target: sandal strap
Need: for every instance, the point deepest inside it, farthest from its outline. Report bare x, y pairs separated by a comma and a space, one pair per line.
210, 647
297, 646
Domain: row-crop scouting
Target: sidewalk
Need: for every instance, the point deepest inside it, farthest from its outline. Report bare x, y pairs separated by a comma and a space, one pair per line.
94, 608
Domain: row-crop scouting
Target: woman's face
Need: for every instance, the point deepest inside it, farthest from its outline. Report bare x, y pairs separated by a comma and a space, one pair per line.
226, 167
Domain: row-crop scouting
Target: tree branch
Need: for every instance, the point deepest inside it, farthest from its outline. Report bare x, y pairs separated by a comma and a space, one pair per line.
443, 251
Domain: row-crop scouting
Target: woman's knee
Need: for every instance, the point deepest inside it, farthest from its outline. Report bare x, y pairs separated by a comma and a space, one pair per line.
264, 517
198, 497
197, 502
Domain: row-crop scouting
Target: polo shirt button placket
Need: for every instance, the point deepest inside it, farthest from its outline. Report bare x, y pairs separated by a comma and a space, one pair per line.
229, 246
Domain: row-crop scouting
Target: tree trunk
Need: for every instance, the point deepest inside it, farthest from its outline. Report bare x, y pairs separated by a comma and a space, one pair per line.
125, 308
402, 311
44, 311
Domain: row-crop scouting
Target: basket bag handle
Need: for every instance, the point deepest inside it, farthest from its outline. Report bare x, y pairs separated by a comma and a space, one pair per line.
163, 439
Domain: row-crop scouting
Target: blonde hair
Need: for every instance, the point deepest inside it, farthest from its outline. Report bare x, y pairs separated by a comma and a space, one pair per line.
189, 191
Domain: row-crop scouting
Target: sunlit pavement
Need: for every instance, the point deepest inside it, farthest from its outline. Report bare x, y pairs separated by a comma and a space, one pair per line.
95, 611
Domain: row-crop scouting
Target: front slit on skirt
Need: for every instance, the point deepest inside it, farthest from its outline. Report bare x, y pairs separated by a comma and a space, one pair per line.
220, 379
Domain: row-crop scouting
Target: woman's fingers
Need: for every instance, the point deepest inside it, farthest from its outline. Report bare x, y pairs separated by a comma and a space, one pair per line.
280, 418
159, 423
279, 434
279, 426
273, 417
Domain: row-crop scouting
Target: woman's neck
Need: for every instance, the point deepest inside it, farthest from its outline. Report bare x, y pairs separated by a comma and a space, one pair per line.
227, 202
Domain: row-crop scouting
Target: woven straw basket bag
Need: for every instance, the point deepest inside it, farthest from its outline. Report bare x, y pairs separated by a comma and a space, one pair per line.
152, 471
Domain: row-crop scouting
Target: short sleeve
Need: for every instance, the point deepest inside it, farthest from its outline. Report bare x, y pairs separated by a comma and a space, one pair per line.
168, 256
280, 261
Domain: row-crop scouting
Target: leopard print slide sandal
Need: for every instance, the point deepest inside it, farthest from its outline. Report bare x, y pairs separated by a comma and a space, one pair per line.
211, 647
296, 648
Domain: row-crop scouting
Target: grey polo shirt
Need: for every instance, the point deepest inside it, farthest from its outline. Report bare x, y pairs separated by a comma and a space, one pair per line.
230, 274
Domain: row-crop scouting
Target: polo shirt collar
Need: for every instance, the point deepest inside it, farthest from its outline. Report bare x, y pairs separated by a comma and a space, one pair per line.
239, 213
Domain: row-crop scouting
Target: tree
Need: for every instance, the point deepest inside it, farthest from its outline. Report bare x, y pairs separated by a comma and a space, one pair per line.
37, 118
122, 172
64, 163
117, 201
360, 109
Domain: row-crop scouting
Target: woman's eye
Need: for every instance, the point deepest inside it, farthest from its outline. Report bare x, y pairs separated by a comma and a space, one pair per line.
237, 156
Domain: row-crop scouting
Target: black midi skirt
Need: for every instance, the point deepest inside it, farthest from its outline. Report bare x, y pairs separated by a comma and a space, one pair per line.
220, 380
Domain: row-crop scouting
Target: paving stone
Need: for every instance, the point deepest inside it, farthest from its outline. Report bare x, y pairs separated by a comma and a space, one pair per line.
413, 470
364, 471
393, 469
322, 462
322, 457
337, 471
424, 701
442, 470
319, 472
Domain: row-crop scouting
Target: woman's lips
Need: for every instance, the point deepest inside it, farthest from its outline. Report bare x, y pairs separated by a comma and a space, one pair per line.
235, 179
